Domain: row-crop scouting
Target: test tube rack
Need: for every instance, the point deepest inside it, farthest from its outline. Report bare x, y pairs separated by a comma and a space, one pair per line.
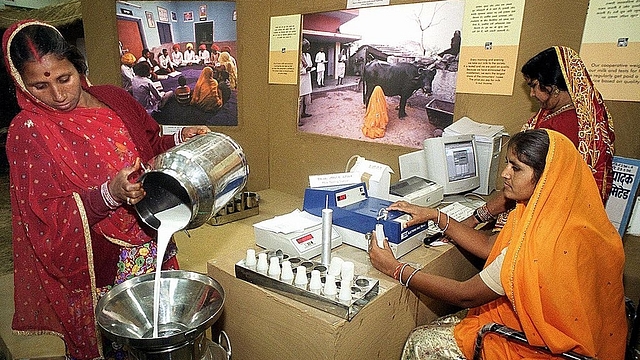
243, 205
363, 289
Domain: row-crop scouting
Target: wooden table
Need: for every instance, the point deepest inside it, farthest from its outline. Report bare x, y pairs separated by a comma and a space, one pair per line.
262, 324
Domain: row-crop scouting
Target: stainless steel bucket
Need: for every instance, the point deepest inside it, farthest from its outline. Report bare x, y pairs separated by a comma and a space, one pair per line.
203, 173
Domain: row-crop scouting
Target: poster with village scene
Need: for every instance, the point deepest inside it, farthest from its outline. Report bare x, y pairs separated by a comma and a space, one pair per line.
410, 51
182, 69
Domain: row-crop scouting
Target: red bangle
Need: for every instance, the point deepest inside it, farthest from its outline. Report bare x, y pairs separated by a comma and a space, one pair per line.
396, 273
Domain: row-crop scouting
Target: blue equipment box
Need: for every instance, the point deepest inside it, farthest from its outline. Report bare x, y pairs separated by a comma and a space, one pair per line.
353, 209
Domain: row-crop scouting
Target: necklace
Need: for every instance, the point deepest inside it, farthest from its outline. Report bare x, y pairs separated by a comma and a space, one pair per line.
561, 109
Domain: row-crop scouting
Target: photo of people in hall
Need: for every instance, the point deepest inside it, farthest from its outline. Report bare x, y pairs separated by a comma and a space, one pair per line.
182, 52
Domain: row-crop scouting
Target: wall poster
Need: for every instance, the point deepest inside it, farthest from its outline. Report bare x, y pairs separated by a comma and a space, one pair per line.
611, 48
179, 51
343, 49
623, 191
284, 45
490, 40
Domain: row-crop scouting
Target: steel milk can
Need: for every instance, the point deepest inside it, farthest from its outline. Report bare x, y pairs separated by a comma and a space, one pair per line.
204, 173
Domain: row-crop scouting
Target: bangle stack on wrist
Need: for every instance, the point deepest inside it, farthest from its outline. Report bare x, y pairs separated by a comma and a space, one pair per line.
482, 214
400, 270
111, 202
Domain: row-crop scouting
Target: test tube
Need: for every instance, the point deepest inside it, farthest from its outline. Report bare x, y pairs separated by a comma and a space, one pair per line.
262, 266
347, 271
287, 272
250, 260
336, 266
315, 284
345, 290
301, 277
274, 268
330, 288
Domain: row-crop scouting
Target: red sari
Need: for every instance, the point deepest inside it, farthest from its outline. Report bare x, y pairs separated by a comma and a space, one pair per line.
589, 126
66, 240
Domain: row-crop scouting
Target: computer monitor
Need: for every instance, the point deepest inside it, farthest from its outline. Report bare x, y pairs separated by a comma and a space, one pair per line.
452, 161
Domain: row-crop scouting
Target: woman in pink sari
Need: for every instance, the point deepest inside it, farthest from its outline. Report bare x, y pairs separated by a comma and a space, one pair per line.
74, 152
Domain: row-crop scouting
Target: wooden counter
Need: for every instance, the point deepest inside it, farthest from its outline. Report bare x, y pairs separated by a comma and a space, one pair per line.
264, 325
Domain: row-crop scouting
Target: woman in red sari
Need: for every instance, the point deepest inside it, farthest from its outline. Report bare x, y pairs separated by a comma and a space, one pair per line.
74, 153
571, 105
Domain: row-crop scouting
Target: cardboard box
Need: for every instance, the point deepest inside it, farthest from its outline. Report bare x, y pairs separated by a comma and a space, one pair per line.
262, 324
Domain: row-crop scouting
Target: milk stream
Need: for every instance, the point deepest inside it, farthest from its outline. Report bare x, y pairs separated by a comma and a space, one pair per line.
171, 221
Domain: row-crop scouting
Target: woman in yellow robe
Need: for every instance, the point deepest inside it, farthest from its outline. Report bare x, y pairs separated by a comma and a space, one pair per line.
376, 117
206, 94
230, 66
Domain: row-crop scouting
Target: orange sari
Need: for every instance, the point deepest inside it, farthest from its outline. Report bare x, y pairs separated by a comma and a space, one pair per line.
206, 94
376, 118
562, 272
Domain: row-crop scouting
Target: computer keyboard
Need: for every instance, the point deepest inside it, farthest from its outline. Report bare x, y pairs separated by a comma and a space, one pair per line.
456, 211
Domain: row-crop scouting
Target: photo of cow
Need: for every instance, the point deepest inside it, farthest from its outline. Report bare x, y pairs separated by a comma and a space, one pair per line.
183, 70
410, 51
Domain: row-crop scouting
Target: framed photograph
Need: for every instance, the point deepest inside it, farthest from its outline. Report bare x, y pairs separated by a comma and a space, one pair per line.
163, 14
188, 16
174, 16
150, 22
203, 12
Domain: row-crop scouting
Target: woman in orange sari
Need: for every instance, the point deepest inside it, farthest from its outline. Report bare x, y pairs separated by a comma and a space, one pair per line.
206, 94
554, 272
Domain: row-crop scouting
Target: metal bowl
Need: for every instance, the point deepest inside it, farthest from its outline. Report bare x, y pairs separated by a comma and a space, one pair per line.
189, 304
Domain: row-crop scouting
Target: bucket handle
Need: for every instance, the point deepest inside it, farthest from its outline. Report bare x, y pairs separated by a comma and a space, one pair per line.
223, 341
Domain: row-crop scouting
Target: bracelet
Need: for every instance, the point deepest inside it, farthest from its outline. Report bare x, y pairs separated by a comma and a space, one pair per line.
477, 217
109, 200
482, 214
177, 137
396, 273
400, 274
438, 223
410, 277
446, 226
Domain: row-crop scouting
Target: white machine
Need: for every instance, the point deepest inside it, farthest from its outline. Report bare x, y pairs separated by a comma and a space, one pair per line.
277, 233
432, 162
488, 143
416, 190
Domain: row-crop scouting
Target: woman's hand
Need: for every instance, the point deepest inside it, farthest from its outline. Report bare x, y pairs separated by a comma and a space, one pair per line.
125, 191
419, 214
191, 131
382, 258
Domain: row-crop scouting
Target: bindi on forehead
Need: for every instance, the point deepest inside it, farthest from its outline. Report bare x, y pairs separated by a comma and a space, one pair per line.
47, 74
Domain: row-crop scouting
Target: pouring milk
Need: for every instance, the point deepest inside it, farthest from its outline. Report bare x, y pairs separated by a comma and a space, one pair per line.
171, 220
